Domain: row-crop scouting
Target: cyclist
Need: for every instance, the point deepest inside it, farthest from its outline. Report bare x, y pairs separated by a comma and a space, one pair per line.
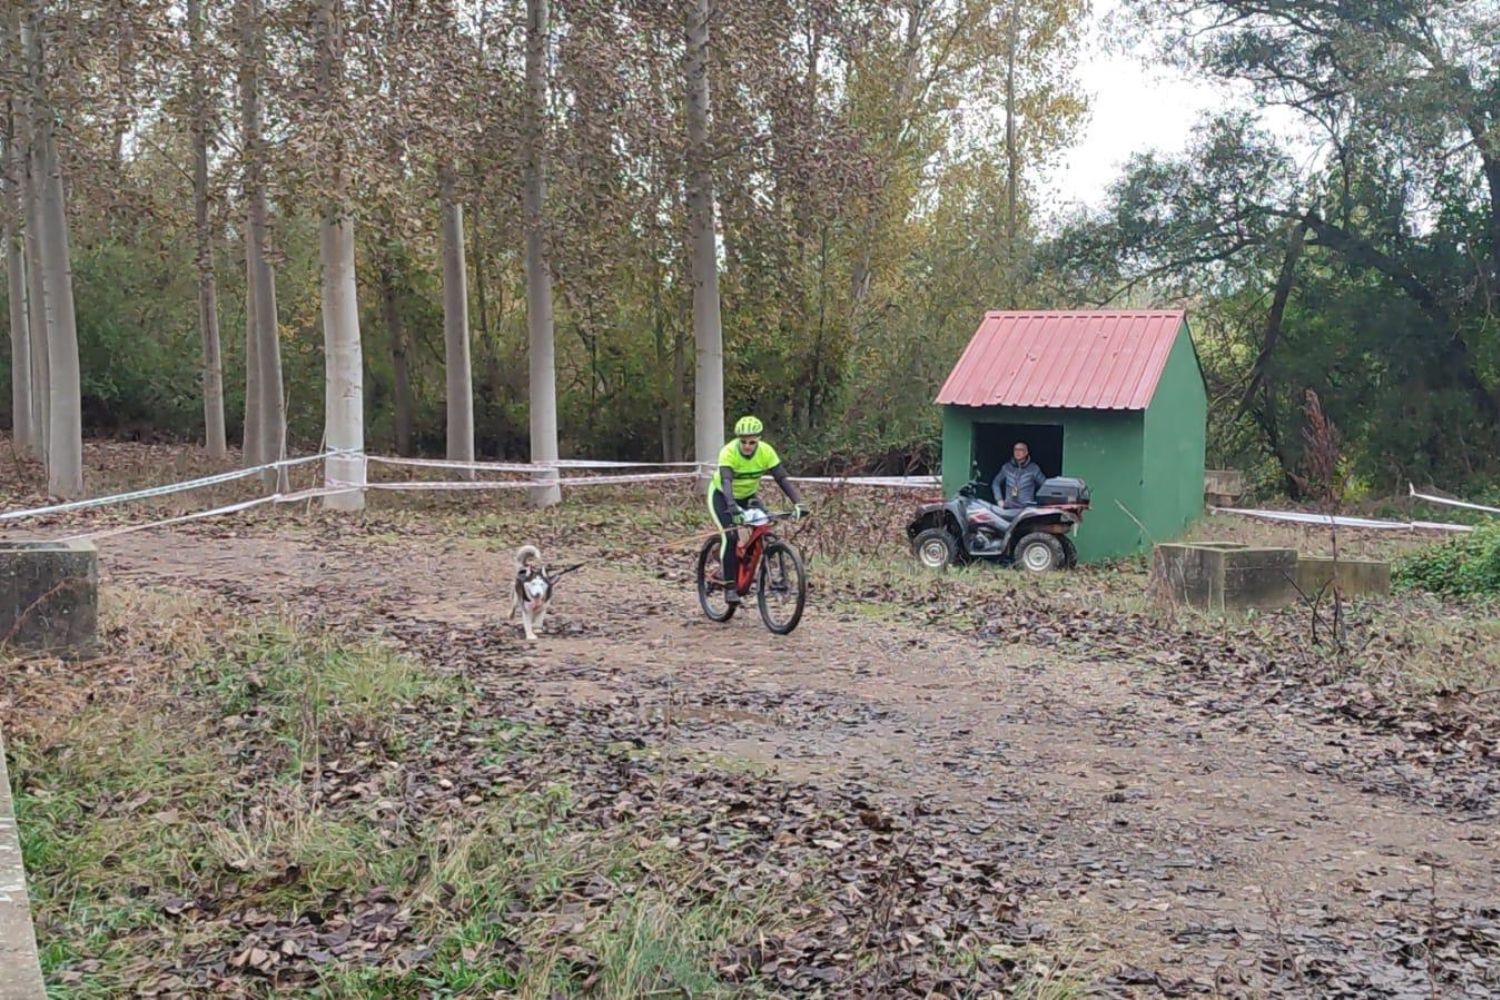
742, 463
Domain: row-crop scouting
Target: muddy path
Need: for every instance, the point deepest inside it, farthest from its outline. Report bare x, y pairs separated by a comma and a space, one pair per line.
1164, 847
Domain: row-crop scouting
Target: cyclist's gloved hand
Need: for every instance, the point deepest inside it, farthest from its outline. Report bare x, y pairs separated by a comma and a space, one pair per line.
799, 511
737, 513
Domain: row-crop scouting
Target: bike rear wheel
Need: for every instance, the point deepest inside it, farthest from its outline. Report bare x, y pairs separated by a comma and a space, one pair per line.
711, 583
782, 591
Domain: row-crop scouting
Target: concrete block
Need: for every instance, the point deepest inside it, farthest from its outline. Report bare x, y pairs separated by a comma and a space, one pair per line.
49, 596
1357, 577
1228, 481
20, 972
1224, 576
1223, 487
1260, 578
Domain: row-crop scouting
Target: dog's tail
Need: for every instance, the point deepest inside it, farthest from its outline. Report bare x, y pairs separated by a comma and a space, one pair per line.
526, 553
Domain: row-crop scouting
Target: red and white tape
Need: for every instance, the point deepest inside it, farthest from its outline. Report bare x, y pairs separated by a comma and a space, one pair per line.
202, 482
1449, 502
234, 508
540, 474
521, 467
418, 486
1331, 520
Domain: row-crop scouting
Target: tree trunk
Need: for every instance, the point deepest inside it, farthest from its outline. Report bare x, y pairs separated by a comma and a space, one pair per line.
489, 350
38, 315
679, 392
664, 415
270, 427
343, 357
12, 169
659, 342
457, 362
208, 296
479, 283
251, 451
814, 389
1012, 156
344, 392
708, 333
64, 403
24, 161
21, 405
543, 391
862, 272
400, 362
1296, 240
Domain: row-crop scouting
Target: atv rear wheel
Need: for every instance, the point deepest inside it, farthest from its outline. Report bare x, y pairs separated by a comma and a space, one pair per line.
936, 548
1040, 552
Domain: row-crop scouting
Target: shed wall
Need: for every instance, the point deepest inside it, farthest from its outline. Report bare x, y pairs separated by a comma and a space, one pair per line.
1175, 442
1102, 447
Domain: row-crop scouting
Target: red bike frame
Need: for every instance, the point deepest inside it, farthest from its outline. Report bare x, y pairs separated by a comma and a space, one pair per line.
749, 555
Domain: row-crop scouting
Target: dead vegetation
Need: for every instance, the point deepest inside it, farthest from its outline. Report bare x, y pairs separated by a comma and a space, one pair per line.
249, 793
253, 806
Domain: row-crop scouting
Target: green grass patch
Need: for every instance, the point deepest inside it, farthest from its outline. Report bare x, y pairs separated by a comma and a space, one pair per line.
164, 830
1464, 566
133, 807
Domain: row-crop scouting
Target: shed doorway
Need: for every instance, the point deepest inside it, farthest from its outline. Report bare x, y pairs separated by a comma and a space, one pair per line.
993, 442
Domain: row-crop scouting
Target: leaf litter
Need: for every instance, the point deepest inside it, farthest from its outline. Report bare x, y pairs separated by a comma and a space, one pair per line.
857, 849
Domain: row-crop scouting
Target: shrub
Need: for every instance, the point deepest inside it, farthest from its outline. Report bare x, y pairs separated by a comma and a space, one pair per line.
1465, 566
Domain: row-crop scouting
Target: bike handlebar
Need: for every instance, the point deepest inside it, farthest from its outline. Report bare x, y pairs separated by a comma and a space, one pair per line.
778, 515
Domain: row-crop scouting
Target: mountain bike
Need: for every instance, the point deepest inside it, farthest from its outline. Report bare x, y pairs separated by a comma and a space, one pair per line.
770, 568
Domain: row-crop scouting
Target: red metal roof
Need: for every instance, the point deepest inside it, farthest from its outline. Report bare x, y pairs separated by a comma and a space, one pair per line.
1083, 360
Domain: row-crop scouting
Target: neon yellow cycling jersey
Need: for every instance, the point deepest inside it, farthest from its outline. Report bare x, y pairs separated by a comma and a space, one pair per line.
747, 471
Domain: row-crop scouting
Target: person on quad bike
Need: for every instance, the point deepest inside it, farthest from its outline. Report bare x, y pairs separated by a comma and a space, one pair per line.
742, 463
1016, 484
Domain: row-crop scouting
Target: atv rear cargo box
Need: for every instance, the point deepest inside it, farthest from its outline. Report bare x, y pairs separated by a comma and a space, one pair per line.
1062, 490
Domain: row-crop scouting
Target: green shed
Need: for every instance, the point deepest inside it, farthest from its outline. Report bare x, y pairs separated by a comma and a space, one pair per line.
1114, 398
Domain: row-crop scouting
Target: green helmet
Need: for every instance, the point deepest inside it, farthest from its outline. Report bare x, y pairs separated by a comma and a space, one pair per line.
748, 427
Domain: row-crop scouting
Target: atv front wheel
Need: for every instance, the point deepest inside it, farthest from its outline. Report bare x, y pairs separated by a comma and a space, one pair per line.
1040, 552
1070, 552
936, 548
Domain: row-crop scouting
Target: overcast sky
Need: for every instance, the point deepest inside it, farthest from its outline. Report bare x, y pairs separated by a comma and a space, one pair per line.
1135, 104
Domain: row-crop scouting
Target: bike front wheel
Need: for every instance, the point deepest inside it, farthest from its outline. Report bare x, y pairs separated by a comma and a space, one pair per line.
711, 583
782, 591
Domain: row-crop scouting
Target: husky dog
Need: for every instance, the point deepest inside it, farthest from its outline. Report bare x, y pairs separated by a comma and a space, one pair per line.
533, 588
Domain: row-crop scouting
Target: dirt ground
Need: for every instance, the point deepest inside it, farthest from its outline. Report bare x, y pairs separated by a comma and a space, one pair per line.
1157, 841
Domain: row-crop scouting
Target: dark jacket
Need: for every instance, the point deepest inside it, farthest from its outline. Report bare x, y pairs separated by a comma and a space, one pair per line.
1016, 485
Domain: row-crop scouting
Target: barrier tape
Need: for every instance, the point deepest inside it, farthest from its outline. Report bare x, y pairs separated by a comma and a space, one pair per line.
887, 482
898, 482
1451, 503
337, 486
566, 463
167, 490
1330, 520
526, 484
234, 508
416, 485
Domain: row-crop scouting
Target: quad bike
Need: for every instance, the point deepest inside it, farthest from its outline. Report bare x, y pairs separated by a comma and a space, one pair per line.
970, 529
